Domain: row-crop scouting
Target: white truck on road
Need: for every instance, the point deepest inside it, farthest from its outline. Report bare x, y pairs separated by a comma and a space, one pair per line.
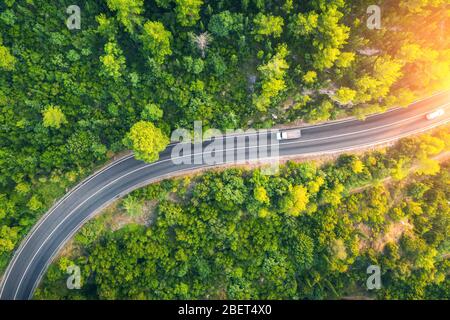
289, 134
435, 114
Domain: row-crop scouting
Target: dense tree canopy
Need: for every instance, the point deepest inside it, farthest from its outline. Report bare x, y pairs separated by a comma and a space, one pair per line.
70, 99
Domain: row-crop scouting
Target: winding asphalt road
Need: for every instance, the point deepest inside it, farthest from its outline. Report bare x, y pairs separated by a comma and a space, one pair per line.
59, 224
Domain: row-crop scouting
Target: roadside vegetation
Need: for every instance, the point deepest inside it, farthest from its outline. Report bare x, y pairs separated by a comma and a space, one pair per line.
309, 232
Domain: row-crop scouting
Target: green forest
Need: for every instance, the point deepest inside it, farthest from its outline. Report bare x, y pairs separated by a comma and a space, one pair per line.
309, 232
72, 99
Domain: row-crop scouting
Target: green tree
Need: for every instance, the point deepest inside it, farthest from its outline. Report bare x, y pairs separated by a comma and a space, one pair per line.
303, 250
152, 112
223, 23
113, 61
345, 95
82, 145
428, 167
345, 59
128, 12
310, 77
315, 185
261, 196
146, 140
304, 24
333, 194
156, 40
400, 168
295, 202
34, 204
357, 165
7, 60
388, 71
320, 112
267, 25
188, 11
53, 117
8, 238
132, 206
324, 32
272, 75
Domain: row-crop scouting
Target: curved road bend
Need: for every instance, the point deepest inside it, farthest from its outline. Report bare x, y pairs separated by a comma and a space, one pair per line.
32, 258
